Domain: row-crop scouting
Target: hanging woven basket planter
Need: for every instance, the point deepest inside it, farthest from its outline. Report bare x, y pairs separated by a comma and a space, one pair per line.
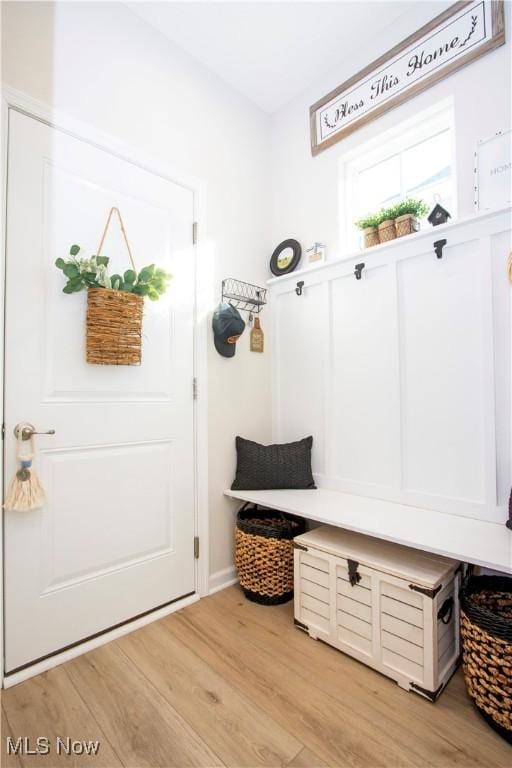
486, 630
114, 318
114, 327
115, 304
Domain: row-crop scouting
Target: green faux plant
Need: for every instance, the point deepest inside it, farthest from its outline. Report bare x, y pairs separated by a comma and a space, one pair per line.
411, 206
386, 214
83, 273
366, 222
416, 208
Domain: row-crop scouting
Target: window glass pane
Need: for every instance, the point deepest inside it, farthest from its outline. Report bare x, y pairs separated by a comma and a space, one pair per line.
415, 162
378, 185
426, 169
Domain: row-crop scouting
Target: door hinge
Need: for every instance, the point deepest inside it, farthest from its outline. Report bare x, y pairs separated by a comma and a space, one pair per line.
3, 431
196, 547
194, 388
194, 233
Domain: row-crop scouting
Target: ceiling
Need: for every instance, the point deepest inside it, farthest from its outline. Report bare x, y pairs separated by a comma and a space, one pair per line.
270, 51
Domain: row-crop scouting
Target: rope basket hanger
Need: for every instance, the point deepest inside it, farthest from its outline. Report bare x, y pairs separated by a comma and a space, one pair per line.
114, 317
123, 232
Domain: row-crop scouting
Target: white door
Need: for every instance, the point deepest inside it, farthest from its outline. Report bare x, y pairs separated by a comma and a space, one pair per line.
115, 538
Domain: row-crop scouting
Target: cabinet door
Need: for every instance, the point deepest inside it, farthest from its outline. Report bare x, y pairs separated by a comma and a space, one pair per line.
447, 399
299, 367
364, 373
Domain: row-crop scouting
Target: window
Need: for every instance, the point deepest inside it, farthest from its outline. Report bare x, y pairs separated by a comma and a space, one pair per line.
414, 161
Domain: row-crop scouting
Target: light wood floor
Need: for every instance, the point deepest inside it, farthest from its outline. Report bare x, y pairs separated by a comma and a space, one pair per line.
227, 682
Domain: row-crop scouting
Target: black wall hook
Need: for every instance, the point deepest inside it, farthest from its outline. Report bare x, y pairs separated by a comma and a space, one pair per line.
300, 286
358, 269
438, 247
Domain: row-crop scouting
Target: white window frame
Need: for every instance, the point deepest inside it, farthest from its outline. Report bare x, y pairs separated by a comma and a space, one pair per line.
422, 126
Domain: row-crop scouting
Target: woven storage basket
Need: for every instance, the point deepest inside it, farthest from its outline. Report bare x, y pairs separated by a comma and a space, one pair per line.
371, 237
114, 327
406, 225
486, 629
264, 553
387, 231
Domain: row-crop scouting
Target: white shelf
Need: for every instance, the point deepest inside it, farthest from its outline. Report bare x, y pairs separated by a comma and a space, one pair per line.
462, 538
428, 232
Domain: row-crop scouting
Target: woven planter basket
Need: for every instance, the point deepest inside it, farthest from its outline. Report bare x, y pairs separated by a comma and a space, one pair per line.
114, 327
486, 629
406, 225
114, 318
387, 231
371, 237
264, 553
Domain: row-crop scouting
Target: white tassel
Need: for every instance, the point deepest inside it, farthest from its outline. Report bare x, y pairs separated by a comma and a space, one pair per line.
25, 490
24, 495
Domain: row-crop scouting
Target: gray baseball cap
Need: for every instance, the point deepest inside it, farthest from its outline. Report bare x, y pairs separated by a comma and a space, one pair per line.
227, 326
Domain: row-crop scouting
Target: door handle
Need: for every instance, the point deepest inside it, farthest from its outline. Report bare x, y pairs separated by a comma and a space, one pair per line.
26, 431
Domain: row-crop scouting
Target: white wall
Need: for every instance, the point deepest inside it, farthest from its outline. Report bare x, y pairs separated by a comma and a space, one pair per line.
101, 64
305, 189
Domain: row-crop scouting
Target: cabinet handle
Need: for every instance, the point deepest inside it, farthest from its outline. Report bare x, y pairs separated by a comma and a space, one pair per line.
445, 612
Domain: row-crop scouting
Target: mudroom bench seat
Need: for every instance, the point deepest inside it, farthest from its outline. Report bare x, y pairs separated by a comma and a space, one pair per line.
473, 541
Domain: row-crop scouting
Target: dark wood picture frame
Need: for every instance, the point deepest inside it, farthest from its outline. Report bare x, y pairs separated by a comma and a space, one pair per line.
497, 39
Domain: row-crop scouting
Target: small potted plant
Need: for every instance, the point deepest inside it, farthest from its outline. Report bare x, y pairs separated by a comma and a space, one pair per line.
368, 226
386, 226
407, 215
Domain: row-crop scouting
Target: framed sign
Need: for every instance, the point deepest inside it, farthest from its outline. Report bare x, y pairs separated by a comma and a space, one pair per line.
456, 37
493, 182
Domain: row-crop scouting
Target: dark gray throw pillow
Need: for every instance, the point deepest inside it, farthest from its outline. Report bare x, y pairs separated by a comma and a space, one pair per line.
265, 467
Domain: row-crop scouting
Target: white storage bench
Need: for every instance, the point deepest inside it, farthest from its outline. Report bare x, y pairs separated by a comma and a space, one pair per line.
393, 608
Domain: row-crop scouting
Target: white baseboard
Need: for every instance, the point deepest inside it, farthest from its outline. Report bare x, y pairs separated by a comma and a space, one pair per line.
89, 645
222, 579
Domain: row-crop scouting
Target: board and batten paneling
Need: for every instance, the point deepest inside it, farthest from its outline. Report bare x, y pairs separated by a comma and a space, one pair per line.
300, 373
362, 430
404, 376
444, 377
